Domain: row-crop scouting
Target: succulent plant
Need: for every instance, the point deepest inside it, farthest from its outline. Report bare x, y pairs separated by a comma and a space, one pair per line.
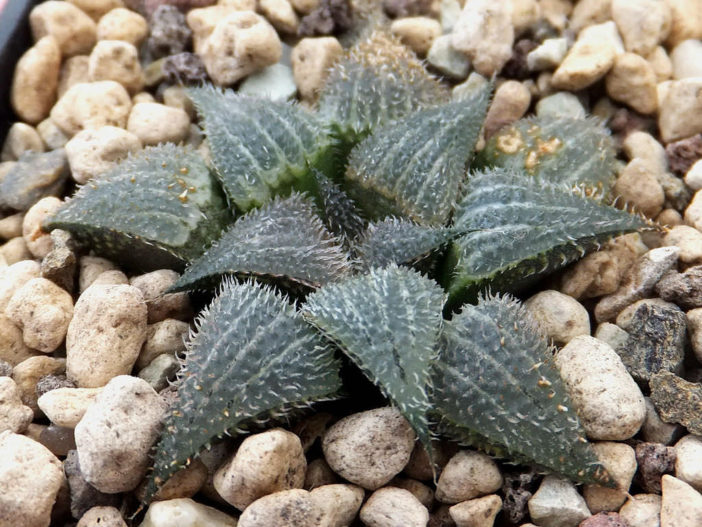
361, 229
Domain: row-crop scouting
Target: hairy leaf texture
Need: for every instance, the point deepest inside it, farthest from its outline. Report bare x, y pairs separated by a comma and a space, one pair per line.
377, 81
495, 387
159, 208
414, 166
388, 322
398, 241
259, 147
253, 356
339, 212
284, 238
518, 228
560, 150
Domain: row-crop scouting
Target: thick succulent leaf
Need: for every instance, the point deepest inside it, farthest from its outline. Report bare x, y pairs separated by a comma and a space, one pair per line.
377, 81
159, 208
559, 149
518, 228
388, 322
252, 357
414, 166
495, 387
259, 147
398, 241
339, 212
284, 238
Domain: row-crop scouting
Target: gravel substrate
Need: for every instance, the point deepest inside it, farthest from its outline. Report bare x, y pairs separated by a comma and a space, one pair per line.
87, 350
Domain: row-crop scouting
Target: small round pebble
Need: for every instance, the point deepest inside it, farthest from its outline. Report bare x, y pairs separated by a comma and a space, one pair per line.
688, 460
369, 448
116, 60
39, 241
162, 306
36, 80
28, 372
557, 503
185, 512
89, 268
642, 510
681, 504
479, 512
311, 60
610, 404
340, 503
115, 436
102, 517
14, 415
287, 508
92, 152
155, 123
123, 24
30, 479
620, 461
13, 350
73, 30
92, 105
67, 406
390, 506
268, 462
417, 32
560, 316
467, 475
20, 138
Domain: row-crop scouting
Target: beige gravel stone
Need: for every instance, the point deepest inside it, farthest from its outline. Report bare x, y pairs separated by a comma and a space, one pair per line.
30, 480
39, 241
185, 512
588, 12
203, 21
123, 24
340, 503
633, 82
391, 506
660, 63
303, 7
419, 490
20, 138
693, 212
688, 460
66, 406
35, 81
183, 484
479, 512
105, 335
92, 105
95, 9
590, 58
484, 32
12, 346
685, 21
265, 463
14, 251
609, 403
369, 448
177, 97
311, 60
468, 475
102, 517
694, 326
280, 14
162, 306
14, 277
689, 240
155, 123
14, 415
681, 504
287, 508
28, 372
510, 102
116, 434
417, 32
557, 503
43, 311
164, 337
89, 268
620, 461
11, 226
686, 58
94, 151
116, 60
680, 113
240, 44
73, 30
643, 24
642, 510
74, 70
560, 316
525, 13
637, 185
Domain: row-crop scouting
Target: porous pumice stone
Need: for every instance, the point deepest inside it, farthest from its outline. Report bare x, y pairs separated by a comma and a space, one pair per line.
268, 462
369, 448
14, 415
67, 406
116, 434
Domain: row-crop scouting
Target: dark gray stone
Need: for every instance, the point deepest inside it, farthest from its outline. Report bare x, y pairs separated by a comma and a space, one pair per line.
83, 495
653, 460
169, 34
657, 337
518, 488
34, 176
50, 382
60, 264
677, 400
184, 68
59, 439
5, 369
683, 289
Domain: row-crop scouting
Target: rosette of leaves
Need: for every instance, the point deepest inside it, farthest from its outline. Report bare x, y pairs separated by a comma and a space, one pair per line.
336, 210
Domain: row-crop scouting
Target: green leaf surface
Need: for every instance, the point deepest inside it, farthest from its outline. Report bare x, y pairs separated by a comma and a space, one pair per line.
253, 357
388, 322
519, 228
377, 81
284, 238
495, 387
559, 150
398, 241
414, 167
259, 147
159, 208
339, 212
